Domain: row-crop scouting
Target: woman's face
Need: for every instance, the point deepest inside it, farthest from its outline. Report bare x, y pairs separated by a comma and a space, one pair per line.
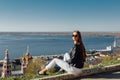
75, 36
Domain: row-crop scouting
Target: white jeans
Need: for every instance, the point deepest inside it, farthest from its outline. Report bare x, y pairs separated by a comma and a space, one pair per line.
64, 65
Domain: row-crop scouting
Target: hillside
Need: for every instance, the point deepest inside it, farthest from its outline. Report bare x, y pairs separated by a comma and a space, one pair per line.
117, 34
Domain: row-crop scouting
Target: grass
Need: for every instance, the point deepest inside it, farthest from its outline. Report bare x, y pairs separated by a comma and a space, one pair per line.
108, 60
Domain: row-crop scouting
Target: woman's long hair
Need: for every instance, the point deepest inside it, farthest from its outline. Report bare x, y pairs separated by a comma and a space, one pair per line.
81, 43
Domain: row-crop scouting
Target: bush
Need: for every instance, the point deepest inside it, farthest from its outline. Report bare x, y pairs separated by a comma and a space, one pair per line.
35, 64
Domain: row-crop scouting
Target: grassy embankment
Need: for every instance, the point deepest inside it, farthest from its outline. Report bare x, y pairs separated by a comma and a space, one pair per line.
39, 63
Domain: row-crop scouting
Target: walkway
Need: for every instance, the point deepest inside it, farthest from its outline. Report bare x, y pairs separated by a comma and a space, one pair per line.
113, 75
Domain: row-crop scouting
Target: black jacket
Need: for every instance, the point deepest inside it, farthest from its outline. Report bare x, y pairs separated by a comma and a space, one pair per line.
76, 55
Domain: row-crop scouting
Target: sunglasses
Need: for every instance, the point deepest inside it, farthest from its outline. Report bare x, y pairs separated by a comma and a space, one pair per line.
74, 35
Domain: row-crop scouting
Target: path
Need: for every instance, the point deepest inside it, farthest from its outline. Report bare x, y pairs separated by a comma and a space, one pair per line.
113, 75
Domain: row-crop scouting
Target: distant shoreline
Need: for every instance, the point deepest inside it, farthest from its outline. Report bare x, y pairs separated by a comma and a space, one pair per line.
116, 34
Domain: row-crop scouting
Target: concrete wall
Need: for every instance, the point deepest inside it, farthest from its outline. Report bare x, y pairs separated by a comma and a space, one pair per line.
85, 72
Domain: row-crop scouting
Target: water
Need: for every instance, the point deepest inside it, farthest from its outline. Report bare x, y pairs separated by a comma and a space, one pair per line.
46, 45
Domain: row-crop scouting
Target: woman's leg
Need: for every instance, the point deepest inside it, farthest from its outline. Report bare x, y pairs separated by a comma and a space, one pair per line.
66, 58
53, 63
64, 65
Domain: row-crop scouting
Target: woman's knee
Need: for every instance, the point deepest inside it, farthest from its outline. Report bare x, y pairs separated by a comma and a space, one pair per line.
66, 54
55, 59
66, 57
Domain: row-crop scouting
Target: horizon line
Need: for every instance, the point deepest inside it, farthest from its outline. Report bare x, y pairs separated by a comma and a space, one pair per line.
56, 31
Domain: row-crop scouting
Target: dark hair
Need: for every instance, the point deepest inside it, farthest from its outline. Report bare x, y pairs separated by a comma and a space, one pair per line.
81, 43
79, 35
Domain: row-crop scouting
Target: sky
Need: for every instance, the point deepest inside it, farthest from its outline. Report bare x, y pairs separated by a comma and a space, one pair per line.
59, 15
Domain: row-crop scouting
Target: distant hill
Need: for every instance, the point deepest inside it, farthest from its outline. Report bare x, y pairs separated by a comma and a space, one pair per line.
117, 34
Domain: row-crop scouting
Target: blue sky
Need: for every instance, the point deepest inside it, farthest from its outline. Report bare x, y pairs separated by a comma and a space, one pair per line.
60, 15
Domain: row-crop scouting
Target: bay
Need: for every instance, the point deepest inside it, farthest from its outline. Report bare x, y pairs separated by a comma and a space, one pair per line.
47, 45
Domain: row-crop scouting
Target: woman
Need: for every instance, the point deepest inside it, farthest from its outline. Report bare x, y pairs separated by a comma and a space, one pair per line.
74, 60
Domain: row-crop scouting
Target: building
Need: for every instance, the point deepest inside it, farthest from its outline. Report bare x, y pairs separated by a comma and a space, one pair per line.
111, 48
6, 70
